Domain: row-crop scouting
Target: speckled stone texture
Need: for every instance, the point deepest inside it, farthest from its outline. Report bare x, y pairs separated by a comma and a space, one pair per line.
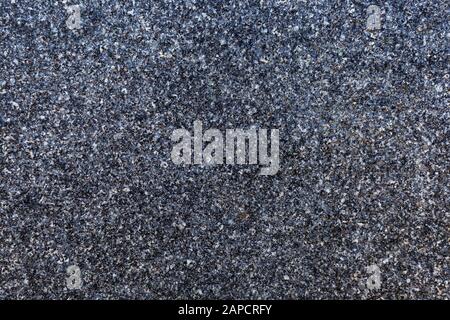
86, 176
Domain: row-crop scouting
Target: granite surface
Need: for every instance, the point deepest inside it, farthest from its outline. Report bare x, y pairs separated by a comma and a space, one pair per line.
86, 177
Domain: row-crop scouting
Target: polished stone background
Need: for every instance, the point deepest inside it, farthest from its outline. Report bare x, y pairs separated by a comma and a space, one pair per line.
86, 177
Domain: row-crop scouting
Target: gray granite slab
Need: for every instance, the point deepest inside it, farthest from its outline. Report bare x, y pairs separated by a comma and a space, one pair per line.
86, 178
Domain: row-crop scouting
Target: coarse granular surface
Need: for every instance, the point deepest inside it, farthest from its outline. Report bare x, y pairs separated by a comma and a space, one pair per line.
86, 176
